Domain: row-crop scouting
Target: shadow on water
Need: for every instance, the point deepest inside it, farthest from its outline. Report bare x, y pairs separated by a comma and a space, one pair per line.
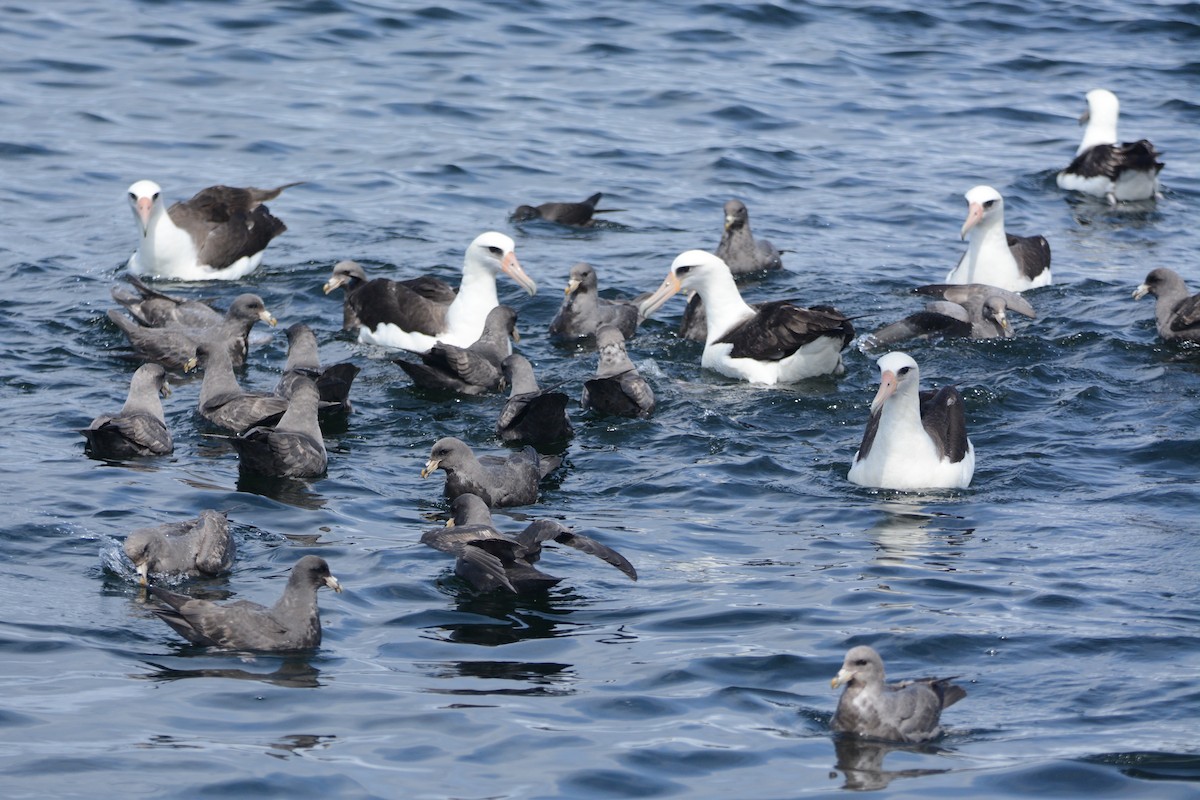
907, 531
498, 618
292, 672
539, 678
861, 762
289, 491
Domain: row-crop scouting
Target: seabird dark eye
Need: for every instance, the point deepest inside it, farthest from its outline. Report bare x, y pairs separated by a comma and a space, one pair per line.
496, 251
862, 662
901, 371
682, 270
989, 204
132, 196
155, 196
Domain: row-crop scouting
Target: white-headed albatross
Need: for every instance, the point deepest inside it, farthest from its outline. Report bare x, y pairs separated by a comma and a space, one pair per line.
220, 234
914, 439
405, 319
1104, 166
995, 257
778, 342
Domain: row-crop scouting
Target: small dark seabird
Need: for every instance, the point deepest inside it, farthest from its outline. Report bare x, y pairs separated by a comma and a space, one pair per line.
1106, 168
201, 546
368, 303
618, 388
972, 310
908, 711
500, 481
399, 316
303, 361
777, 342
742, 253
583, 310
1176, 313
222, 401
739, 249
174, 346
293, 623
997, 258
294, 448
156, 309
139, 428
470, 370
488, 560
531, 415
220, 234
914, 440
577, 214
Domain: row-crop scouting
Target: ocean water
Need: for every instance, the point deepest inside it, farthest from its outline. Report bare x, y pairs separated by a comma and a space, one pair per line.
1061, 587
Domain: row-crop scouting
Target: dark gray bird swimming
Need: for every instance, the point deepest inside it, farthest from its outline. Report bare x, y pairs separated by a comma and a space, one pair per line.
739, 249
139, 428
155, 309
201, 546
174, 345
742, 253
222, 401
294, 448
488, 560
531, 414
293, 623
972, 310
618, 388
1176, 311
577, 214
500, 481
583, 311
219, 234
470, 370
303, 361
369, 303
905, 712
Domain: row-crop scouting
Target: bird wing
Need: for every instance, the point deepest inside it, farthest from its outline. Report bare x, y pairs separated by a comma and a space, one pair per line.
1032, 254
780, 328
943, 419
544, 530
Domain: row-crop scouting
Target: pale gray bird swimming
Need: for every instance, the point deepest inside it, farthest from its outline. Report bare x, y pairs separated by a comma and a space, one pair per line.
371, 303
499, 480
174, 345
470, 370
156, 309
905, 712
584, 311
303, 361
294, 447
139, 428
201, 546
972, 310
739, 249
293, 623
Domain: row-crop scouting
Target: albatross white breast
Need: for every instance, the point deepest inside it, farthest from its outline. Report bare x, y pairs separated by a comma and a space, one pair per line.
995, 257
219, 234
1106, 168
419, 323
913, 440
776, 343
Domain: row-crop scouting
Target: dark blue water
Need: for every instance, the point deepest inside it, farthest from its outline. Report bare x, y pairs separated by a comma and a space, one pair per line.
1061, 587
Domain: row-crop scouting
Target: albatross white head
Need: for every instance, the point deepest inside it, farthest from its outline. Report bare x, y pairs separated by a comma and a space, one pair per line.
145, 197
494, 252
985, 211
696, 271
898, 376
1100, 118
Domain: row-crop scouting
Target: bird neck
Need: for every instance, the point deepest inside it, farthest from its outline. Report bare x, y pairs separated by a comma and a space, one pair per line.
1101, 129
723, 303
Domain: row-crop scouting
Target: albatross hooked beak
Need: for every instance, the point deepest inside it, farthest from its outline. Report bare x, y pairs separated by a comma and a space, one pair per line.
142, 208
887, 385
513, 269
669, 288
974, 214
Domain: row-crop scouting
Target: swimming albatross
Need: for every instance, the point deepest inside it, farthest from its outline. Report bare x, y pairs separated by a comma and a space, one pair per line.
778, 342
909, 711
219, 234
995, 257
293, 623
1103, 166
914, 440
402, 317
